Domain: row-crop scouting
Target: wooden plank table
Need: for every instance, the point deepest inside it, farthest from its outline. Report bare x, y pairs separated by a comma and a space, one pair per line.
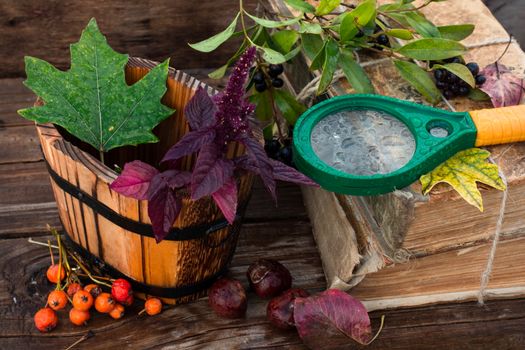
283, 233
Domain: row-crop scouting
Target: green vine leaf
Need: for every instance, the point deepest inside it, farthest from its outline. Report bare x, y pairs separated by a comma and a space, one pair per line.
462, 171
400, 33
419, 79
456, 32
273, 24
285, 40
288, 105
432, 49
300, 5
272, 56
357, 18
326, 6
329, 65
215, 41
311, 28
92, 100
460, 70
312, 44
355, 74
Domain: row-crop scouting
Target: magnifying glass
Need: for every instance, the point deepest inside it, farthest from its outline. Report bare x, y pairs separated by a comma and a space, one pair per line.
371, 144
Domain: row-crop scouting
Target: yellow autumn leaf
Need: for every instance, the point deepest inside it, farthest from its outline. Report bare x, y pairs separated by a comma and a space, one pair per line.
462, 171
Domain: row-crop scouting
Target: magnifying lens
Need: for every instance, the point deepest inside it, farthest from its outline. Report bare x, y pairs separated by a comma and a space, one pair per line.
371, 144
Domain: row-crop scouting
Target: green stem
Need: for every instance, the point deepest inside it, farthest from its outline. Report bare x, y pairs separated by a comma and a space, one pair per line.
101, 154
414, 9
242, 12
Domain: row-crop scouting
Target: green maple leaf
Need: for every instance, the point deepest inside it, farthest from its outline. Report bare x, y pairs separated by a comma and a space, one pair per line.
92, 100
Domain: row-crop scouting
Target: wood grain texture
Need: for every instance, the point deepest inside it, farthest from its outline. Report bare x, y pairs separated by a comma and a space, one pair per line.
155, 29
497, 325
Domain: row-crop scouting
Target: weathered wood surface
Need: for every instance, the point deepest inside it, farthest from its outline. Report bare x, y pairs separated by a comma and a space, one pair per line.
155, 29
284, 233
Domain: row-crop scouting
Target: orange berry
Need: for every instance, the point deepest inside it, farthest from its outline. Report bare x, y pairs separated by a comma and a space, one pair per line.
94, 289
117, 312
82, 300
46, 319
52, 273
153, 306
104, 303
72, 288
57, 300
79, 317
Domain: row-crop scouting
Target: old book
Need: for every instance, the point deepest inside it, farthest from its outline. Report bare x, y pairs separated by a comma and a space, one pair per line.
404, 248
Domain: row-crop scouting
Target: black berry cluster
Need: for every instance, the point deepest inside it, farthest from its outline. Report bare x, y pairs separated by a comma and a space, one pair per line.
450, 84
265, 77
283, 153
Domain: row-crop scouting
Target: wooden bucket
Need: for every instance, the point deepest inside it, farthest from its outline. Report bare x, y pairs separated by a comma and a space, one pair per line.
114, 232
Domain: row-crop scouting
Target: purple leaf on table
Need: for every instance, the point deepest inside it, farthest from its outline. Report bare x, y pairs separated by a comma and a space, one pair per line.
331, 319
503, 87
200, 110
226, 199
134, 180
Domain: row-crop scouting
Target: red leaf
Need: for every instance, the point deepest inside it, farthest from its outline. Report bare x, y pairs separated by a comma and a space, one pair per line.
163, 203
191, 142
200, 110
261, 161
226, 199
134, 180
330, 319
210, 173
503, 87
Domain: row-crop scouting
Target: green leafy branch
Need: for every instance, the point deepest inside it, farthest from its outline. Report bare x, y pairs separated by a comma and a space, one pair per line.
331, 39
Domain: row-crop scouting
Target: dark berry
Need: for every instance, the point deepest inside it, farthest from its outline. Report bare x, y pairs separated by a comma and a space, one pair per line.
439, 74
448, 94
285, 155
275, 69
360, 34
453, 78
463, 91
456, 59
260, 87
454, 88
280, 309
277, 82
377, 29
441, 85
258, 77
473, 68
383, 40
272, 147
480, 79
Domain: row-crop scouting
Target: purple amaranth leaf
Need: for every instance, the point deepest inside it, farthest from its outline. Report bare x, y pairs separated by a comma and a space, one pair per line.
330, 319
134, 180
261, 161
210, 173
284, 172
503, 87
190, 143
200, 110
163, 204
226, 199
281, 171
